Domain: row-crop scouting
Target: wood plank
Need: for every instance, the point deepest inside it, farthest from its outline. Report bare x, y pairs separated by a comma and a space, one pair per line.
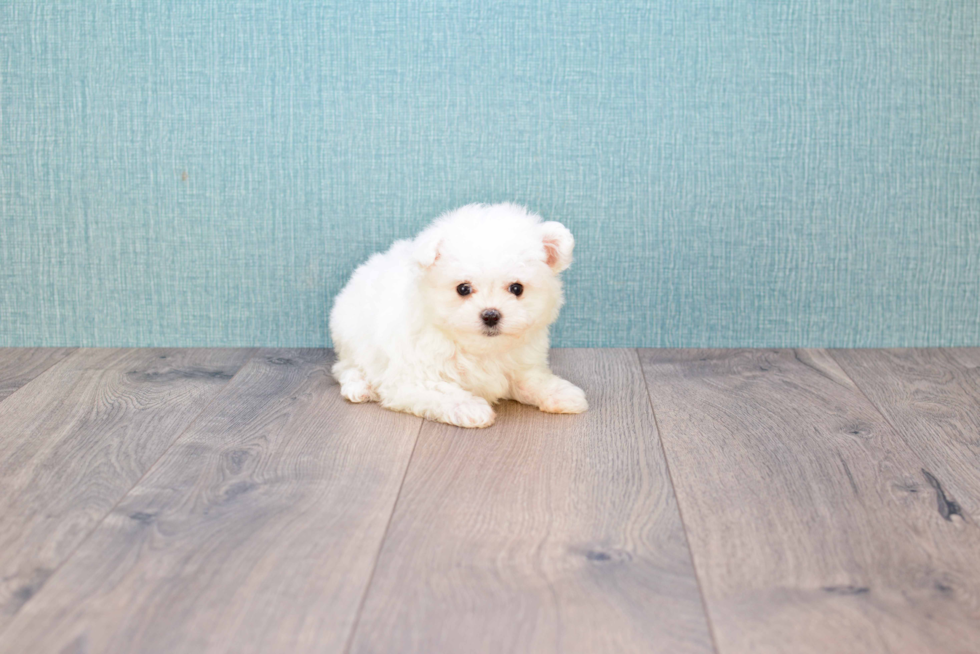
968, 357
19, 365
543, 533
932, 398
74, 440
811, 525
256, 532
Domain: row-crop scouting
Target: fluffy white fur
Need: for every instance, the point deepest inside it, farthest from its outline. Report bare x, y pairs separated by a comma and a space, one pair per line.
406, 338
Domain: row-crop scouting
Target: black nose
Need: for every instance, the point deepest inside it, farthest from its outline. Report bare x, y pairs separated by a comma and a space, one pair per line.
490, 317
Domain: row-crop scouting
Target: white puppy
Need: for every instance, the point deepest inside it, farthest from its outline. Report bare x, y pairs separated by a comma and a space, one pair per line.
445, 325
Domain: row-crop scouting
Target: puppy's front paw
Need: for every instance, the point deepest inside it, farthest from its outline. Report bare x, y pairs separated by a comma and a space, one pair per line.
473, 413
566, 399
358, 391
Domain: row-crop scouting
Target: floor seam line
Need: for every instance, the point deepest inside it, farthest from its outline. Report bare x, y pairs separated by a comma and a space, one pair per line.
874, 405
384, 539
43, 372
98, 524
677, 502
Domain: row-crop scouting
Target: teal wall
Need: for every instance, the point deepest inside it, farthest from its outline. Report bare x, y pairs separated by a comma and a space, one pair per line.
737, 173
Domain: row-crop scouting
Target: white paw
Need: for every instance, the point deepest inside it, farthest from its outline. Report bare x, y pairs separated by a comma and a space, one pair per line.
473, 413
358, 391
567, 399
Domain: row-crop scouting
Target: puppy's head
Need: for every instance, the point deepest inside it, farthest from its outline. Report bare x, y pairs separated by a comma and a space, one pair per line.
490, 272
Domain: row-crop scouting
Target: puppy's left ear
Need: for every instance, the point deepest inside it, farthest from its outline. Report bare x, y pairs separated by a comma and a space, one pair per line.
558, 245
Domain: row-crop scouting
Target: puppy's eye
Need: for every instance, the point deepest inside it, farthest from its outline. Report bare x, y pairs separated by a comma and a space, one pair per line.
464, 289
516, 289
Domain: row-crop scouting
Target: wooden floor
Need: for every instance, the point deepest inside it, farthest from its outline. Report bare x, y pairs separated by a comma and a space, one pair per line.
721, 501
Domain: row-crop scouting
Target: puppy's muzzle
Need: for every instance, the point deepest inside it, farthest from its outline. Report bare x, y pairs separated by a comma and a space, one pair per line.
490, 317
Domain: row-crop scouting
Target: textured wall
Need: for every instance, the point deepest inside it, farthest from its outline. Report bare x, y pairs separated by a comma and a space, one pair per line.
804, 172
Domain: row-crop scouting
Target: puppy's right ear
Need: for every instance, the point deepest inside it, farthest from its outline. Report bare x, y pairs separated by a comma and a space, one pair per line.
427, 248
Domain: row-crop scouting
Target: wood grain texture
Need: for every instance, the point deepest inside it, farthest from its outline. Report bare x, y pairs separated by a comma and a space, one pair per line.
19, 365
542, 533
932, 398
76, 439
811, 525
256, 532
